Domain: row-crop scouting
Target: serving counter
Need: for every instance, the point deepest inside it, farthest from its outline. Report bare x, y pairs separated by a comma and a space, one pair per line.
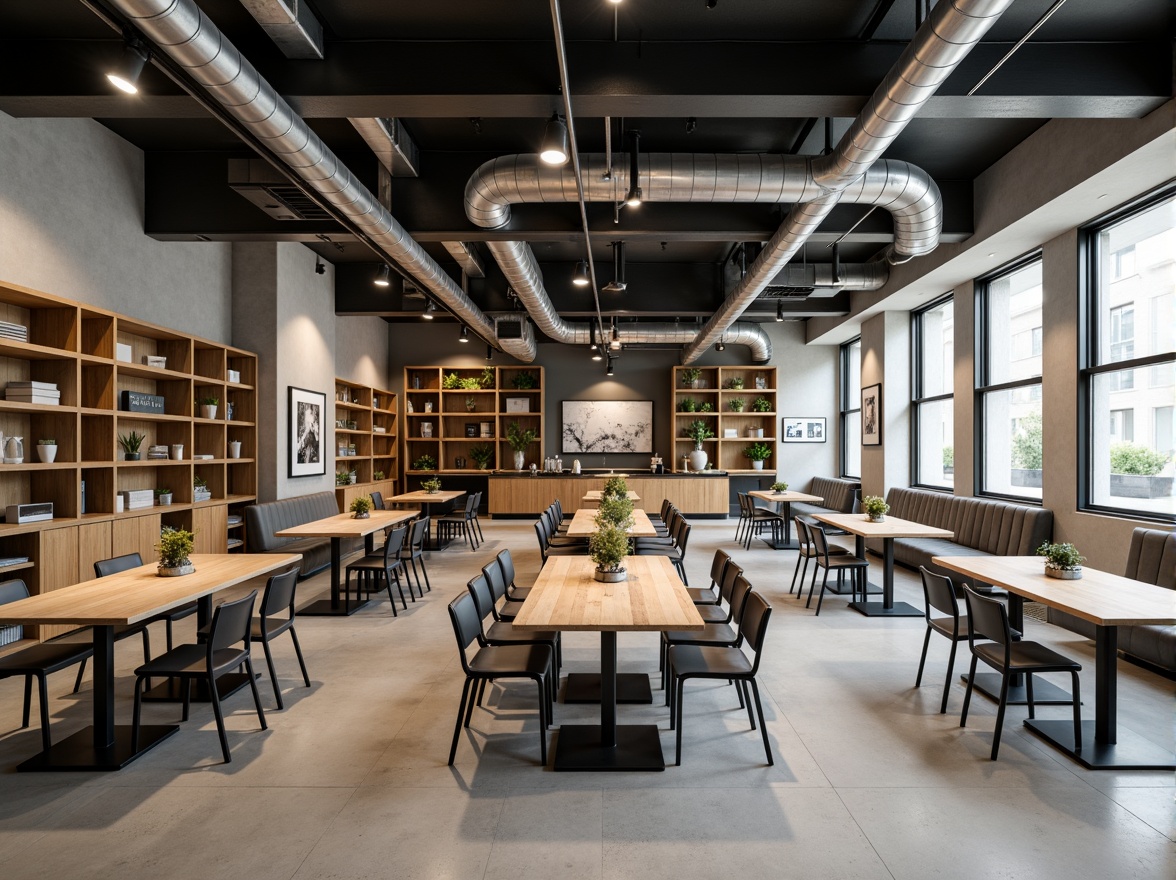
520, 494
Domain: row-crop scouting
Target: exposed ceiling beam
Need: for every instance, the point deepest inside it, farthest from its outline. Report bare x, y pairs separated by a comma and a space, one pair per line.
291, 24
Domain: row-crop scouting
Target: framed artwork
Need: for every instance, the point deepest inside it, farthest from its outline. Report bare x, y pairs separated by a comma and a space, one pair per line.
307, 454
518, 404
872, 416
761, 383
608, 426
803, 430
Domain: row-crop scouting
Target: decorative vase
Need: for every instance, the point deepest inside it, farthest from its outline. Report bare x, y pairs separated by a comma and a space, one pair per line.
757, 465
698, 459
130, 456
362, 516
520, 458
14, 450
352, 478
876, 519
177, 452
164, 500
234, 449
169, 571
207, 411
1063, 574
46, 452
610, 577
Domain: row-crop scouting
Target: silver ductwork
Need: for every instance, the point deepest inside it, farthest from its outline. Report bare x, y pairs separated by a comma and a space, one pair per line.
944, 40
852, 276
190, 39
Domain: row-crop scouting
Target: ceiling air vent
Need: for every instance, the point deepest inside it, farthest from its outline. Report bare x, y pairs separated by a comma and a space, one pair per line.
778, 292
270, 191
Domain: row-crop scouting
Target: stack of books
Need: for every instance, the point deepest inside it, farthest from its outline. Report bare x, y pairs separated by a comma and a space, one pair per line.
19, 332
157, 453
199, 494
33, 392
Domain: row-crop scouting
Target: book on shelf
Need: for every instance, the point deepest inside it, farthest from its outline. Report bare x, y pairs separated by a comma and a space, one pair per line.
13, 560
204, 456
39, 386
39, 398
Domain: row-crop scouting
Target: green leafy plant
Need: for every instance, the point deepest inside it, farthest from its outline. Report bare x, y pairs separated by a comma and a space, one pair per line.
162, 491
49, 442
948, 457
425, 463
615, 487
706, 406
690, 376
342, 478
482, 455
131, 442
761, 405
451, 382
735, 383
1063, 556
758, 452
608, 548
486, 380
616, 512
175, 546
378, 475
199, 482
523, 381
361, 505
1027, 443
698, 430
471, 403
875, 505
472, 383
207, 401
519, 437
1133, 458
687, 404
432, 487
779, 487
737, 404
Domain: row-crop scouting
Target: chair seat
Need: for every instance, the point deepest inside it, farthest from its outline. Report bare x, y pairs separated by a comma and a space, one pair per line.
500, 631
1026, 657
702, 596
834, 550
712, 634
708, 662
711, 613
520, 593
764, 514
847, 561
561, 550
944, 626
44, 658
510, 609
190, 660
672, 552
511, 660
273, 626
371, 563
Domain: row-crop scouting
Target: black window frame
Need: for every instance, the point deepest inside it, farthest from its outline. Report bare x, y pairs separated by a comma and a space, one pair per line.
983, 387
1088, 335
917, 396
846, 406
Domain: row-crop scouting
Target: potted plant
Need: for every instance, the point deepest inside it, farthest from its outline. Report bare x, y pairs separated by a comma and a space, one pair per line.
706, 406
342, 478
163, 497
482, 455
425, 463
735, 383
47, 450
378, 475
697, 431
875, 507
608, 548
523, 381
687, 404
175, 546
361, 507
1062, 561
352, 476
690, 377
736, 404
779, 487
761, 405
471, 404
451, 382
208, 406
487, 380
431, 486
130, 444
758, 453
519, 439
615, 487
616, 511
200, 490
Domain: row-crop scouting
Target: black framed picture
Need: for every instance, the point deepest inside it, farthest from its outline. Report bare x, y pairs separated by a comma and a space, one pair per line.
307, 452
803, 430
872, 416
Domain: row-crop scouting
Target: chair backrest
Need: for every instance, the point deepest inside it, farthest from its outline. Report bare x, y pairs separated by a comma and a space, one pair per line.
754, 625
727, 585
743, 508
279, 593
682, 536
857, 501
471, 504
987, 619
419, 533
230, 623
1152, 557
666, 506
820, 542
557, 506
740, 590
939, 593
377, 500
467, 626
492, 571
12, 591
477, 502
479, 588
106, 567
392, 545
803, 538
506, 563
541, 535
718, 563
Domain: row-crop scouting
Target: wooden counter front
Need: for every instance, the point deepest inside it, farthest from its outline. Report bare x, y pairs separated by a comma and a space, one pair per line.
526, 495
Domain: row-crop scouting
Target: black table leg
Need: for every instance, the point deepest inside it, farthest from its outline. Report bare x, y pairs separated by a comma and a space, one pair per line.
785, 509
887, 607
333, 607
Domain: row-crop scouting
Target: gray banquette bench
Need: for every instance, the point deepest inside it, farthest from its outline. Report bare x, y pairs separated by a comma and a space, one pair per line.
838, 494
1152, 559
982, 527
262, 520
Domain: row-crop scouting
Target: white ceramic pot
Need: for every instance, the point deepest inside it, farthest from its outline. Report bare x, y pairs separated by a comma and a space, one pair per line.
520, 459
876, 519
234, 449
610, 577
1064, 574
177, 452
698, 459
47, 453
757, 465
207, 412
164, 500
164, 571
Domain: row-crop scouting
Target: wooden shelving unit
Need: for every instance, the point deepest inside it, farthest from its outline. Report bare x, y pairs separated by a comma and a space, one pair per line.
458, 420
714, 390
365, 440
75, 346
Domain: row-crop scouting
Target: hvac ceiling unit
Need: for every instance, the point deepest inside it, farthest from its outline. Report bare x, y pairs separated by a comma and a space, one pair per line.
262, 185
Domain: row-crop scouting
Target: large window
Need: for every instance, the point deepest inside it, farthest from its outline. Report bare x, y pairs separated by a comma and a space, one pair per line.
1008, 382
851, 408
934, 449
1129, 375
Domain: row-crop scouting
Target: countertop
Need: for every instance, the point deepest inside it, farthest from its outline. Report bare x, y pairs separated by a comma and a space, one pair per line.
596, 475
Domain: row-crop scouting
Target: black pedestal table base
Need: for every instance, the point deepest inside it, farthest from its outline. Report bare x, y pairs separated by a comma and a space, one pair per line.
879, 609
77, 751
584, 687
1131, 752
326, 608
578, 747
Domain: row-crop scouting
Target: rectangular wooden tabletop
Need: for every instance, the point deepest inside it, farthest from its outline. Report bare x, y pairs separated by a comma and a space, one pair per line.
1099, 597
790, 495
344, 525
566, 597
583, 524
595, 495
420, 496
139, 594
891, 527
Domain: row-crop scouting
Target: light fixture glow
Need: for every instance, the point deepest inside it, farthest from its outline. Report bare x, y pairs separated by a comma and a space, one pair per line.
124, 75
580, 278
554, 148
609, 371
633, 197
428, 312
596, 355
615, 343
383, 276
780, 310
489, 352
720, 346
465, 334
617, 285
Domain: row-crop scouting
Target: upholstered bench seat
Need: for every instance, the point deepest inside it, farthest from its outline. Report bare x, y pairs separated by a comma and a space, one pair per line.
838, 497
262, 520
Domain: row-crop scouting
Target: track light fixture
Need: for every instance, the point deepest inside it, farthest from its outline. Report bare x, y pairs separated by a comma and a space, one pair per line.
464, 336
711, 4
489, 352
592, 337
319, 268
633, 197
383, 276
720, 346
617, 285
429, 309
554, 148
780, 311
615, 343
609, 371
124, 74
580, 277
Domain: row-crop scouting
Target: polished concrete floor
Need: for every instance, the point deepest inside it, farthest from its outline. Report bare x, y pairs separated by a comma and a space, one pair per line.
350, 780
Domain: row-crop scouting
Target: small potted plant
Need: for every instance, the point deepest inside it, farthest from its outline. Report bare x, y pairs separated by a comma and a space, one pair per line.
1062, 561
451, 382
482, 455
431, 486
208, 406
200, 490
735, 383
471, 404
163, 497
361, 507
47, 450
608, 548
487, 379
737, 404
378, 475
690, 377
758, 453
352, 476
687, 404
425, 463
523, 381
616, 511
875, 507
761, 405
519, 439
779, 488
175, 546
698, 431
130, 444
342, 478
706, 406
615, 487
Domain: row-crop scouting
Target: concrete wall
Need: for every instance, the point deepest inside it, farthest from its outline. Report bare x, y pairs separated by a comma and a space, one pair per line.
886, 360
71, 224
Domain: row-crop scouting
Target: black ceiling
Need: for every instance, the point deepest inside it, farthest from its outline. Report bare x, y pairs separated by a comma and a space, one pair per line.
473, 79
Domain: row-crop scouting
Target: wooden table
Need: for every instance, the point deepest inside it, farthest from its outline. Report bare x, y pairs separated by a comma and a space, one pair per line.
1108, 601
426, 500
583, 524
890, 528
593, 496
128, 597
565, 597
783, 502
338, 527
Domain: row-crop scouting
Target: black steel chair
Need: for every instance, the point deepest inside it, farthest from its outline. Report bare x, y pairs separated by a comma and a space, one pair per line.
854, 565
377, 500
414, 551
805, 552
501, 632
676, 553
105, 568
757, 518
371, 571
990, 620
497, 662
37, 661
227, 649
698, 661
939, 595
474, 521
547, 549
710, 595
716, 613
513, 590
459, 522
277, 617
509, 608
719, 635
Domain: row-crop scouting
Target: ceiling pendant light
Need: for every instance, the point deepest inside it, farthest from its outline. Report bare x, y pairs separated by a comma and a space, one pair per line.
489, 352
633, 197
428, 312
383, 276
592, 336
615, 343
720, 346
580, 277
609, 370
617, 285
465, 334
780, 311
124, 74
554, 148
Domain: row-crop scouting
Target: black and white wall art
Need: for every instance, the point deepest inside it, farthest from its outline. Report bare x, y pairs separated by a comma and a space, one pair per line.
608, 426
307, 454
872, 416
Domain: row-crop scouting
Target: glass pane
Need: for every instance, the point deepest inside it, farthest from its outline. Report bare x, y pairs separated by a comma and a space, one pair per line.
1012, 442
1136, 284
1131, 442
852, 466
1014, 325
936, 326
936, 463
853, 378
